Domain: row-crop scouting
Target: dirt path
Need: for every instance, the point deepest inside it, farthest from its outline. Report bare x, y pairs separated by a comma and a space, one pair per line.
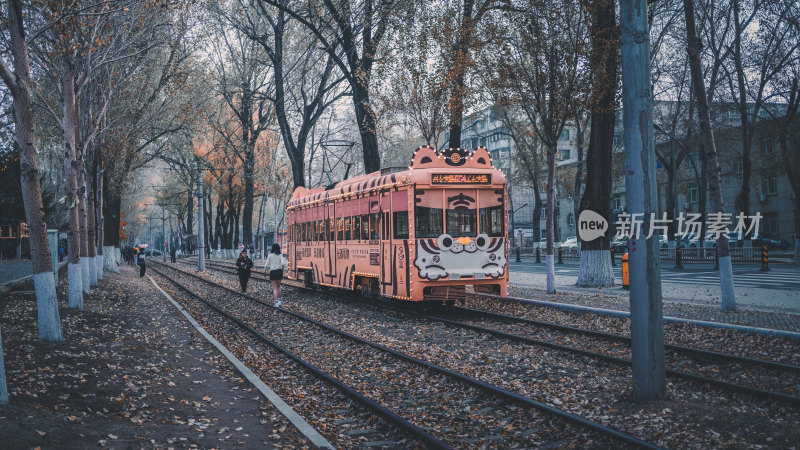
130, 373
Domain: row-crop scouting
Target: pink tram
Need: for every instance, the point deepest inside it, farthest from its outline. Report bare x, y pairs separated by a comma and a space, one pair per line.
433, 232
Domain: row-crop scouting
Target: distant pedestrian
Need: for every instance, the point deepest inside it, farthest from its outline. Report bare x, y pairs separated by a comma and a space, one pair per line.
141, 263
60, 253
243, 266
274, 266
136, 256
172, 255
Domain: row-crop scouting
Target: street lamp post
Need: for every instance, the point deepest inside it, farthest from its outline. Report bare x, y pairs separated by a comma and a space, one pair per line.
514, 211
201, 260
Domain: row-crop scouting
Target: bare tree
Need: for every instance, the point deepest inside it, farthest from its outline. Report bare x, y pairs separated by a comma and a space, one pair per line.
18, 82
715, 180
595, 263
544, 64
351, 33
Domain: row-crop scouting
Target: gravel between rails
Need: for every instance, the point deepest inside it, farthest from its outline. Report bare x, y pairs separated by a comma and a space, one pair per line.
455, 412
342, 422
759, 377
721, 340
693, 416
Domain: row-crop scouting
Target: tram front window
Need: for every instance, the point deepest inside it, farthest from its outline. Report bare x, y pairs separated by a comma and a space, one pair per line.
492, 221
428, 213
461, 214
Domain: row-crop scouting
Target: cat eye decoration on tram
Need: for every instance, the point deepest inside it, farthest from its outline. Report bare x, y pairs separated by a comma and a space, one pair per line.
433, 232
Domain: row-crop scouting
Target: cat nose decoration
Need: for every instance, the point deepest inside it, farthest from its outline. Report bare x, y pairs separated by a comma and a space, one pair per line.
464, 240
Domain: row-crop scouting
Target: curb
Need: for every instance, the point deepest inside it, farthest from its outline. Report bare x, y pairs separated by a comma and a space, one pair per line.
308, 431
24, 283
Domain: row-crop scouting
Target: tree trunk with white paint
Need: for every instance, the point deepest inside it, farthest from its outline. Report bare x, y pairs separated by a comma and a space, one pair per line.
714, 173
71, 168
550, 219
595, 264
43, 281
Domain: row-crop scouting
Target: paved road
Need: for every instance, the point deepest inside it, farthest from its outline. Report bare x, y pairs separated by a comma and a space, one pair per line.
12, 270
783, 277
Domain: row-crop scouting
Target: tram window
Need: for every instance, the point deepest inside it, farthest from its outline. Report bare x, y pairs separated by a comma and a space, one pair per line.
331, 230
386, 225
339, 229
373, 226
307, 232
428, 213
401, 225
356, 228
365, 227
346, 228
461, 222
429, 222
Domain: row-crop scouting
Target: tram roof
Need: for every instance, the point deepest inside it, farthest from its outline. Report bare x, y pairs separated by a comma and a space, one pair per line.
424, 162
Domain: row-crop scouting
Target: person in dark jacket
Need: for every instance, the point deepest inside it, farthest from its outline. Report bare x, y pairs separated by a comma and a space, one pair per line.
172, 254
243, 266
140, 261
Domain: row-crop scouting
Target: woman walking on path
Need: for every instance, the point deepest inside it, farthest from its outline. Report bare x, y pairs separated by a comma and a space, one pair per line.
243, 266
274, 267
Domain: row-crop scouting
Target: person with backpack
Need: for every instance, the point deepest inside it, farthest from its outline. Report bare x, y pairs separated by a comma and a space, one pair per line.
243, 266
274, 267
141, 264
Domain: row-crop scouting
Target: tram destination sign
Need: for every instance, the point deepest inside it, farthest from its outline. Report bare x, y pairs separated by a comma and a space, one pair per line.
461, 178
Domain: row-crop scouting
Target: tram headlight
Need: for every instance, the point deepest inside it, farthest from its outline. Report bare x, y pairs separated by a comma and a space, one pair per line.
492, 257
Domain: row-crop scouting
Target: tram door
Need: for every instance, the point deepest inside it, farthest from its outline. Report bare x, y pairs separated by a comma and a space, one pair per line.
330, 251
386, 244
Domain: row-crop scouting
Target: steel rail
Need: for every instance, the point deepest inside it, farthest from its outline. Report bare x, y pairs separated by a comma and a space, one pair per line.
382, 411
621, 338
609, 336
498, 391
621, 361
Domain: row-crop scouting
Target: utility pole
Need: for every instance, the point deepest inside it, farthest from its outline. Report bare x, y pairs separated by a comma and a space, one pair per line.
647, 324
201, 260
164, 246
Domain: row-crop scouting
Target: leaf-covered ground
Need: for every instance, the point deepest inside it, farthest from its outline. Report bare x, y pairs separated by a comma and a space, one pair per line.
130, 373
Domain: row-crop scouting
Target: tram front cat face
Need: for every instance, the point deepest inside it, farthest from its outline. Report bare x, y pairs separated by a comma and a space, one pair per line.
446, 257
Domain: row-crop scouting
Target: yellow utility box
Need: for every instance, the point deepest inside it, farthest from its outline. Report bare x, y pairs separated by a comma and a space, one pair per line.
626, 280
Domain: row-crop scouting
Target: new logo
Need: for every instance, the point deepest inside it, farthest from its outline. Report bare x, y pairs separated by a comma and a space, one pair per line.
591, 225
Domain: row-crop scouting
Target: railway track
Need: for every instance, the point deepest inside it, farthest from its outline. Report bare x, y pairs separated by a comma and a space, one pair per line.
386, 375
755, 377
415, 432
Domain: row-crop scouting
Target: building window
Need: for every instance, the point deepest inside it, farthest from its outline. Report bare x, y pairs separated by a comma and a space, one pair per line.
691, 195
769, 145
483, 142
769, 186
571, 220
739, 168
564, 136
771, 223
733, 114
494, 154
564, 154
617, 202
